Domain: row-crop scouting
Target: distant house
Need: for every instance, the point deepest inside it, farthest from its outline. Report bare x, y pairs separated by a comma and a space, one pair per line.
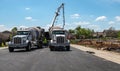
99, 34
106, 33
71, 36
4, 36
111, 33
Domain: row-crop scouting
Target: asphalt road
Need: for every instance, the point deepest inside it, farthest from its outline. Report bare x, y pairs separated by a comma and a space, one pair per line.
46, 60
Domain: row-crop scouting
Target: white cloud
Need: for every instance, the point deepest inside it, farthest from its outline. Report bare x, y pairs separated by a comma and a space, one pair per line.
46, 27
68, 26
61, 25
1, 25
23, 27
86, 24
3, 28
117, 18
95, 27
75, 16
111, 22
30, 19
75, 24
82, 23
27, 8
101, 18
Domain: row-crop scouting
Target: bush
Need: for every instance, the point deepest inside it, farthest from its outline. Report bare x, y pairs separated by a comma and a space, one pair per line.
3, 44
73, 41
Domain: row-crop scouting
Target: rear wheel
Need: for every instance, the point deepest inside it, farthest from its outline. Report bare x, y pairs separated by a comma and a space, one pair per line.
11, 49
39, 44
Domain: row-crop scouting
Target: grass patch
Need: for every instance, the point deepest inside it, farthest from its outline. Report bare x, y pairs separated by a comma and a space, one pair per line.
3, 45
73, 41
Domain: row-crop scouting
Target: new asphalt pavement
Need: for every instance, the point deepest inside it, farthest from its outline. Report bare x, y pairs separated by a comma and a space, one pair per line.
46, 60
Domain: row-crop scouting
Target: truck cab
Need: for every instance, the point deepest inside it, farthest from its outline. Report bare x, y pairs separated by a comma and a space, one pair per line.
59, 40
21, 40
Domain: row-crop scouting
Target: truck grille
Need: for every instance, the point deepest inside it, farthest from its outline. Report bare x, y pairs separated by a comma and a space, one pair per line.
60, 39
17, 40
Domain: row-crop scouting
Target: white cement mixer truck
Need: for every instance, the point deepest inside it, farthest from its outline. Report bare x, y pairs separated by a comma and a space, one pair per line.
26, 38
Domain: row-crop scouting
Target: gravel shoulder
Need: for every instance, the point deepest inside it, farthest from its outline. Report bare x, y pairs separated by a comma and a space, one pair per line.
110, 56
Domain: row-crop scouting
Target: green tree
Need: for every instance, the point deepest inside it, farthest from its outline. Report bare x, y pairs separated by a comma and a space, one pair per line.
118, 35
71, 31
83, 32
14, 31
78, 32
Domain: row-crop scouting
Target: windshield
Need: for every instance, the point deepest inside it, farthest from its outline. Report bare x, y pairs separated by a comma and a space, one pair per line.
23, 33
58, 32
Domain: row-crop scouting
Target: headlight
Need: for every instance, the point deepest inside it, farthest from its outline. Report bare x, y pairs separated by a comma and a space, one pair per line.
68, 41
27, 41
51, 41
9, 42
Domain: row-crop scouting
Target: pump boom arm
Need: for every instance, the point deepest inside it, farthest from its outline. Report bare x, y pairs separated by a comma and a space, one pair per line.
57, 14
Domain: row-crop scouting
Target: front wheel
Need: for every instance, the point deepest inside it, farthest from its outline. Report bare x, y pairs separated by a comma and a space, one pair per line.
11, 49
28, 48
51, 48
68, 48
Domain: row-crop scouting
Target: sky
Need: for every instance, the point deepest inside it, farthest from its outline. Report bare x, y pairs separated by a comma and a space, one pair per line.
93, 14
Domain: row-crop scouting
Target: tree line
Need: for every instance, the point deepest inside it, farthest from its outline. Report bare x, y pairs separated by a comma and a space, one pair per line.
81, 32
86, 33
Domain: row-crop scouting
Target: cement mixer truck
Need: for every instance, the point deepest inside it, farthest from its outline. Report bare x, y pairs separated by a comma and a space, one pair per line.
27, 38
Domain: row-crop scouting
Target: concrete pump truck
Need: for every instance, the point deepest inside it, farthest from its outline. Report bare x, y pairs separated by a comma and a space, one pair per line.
58, 36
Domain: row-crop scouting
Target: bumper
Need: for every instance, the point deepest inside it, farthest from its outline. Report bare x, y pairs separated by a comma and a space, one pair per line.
17, 46
59, 45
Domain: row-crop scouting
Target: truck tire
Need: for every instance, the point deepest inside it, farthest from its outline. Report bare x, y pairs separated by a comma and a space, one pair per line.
28, 48
39, 44
51, 48
68, 48
11, 49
